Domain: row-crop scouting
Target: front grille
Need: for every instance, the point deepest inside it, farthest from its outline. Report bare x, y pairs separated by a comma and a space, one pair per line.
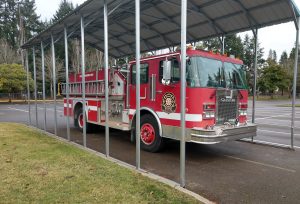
227, 106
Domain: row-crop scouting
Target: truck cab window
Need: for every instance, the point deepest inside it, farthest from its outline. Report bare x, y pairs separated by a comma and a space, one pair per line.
175, 68
144, 74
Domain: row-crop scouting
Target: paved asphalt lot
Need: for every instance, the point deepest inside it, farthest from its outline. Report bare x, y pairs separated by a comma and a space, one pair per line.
234, 172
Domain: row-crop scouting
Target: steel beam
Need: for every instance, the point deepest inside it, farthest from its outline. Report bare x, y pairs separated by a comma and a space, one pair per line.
183, 90
44, 86
138, 66
28, 88
35, 87
83, 79
295, 85
67, 81
54, 83
106, 77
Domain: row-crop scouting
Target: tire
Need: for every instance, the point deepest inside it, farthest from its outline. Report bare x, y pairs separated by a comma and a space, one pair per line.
151, 141
78, 121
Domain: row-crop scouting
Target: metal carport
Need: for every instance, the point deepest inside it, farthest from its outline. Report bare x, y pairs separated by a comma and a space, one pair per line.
122, 27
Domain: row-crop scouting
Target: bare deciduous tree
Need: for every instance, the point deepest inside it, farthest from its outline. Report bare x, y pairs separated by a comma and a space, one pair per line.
49, 69
7, 54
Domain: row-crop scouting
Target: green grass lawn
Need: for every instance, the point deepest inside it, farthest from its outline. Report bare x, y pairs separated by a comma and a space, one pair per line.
39, 169
269, 98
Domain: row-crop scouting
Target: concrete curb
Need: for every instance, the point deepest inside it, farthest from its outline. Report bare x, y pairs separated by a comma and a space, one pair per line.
155, 177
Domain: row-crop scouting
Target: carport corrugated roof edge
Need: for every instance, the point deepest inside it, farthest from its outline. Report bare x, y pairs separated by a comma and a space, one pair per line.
160, 25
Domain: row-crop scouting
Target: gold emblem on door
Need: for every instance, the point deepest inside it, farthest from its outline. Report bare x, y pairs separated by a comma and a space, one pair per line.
169, 103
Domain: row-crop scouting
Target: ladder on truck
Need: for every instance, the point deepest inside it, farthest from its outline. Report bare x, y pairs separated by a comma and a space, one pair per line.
92, 88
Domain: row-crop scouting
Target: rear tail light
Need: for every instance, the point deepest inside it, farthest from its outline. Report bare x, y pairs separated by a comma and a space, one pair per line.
209, 110
243, 109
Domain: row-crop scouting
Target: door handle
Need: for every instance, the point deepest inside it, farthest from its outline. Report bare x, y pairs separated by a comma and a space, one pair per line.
159, 91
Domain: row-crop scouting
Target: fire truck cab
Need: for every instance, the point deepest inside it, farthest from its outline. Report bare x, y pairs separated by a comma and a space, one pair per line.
216, 99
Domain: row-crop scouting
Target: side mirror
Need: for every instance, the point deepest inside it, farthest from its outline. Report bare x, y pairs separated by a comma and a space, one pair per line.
166, 73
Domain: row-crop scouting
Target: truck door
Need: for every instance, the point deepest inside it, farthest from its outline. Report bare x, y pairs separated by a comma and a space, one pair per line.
144, 93
168, 96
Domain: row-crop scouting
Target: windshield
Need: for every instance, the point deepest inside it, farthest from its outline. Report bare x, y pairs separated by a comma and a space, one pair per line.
205, 72
235, 76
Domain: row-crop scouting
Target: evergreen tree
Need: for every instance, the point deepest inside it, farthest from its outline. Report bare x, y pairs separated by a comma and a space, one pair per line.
212, 44
248, 59
8, 21
65, 7
283, 58
274, 55
31, 20
12, 12
234, 46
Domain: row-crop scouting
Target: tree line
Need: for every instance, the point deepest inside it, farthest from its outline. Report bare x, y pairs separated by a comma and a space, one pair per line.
19, 22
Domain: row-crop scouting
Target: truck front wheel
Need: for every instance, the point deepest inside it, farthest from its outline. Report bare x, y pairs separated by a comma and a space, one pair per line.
78, 121
151, 141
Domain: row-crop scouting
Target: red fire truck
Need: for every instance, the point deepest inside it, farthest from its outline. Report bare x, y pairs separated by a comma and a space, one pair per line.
216, 99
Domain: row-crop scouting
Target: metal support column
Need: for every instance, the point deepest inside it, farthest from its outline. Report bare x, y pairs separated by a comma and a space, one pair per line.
223, 44
138, 66
127, 84
44, 86
182, 90
106, 78
295, 85
35, 87
54, 83
83, 80
255, 32
28, 88
67, 81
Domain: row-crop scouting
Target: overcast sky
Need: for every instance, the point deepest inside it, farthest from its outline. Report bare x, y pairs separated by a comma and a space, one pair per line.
280, 38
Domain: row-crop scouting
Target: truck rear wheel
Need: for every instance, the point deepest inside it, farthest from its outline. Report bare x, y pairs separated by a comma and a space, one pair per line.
78, 121
151, 141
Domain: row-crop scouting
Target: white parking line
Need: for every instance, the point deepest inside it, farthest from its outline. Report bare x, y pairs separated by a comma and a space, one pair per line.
16, 109
271, 143
31, 109
275, 132
274, 124
272, 116
50, 109
260, 163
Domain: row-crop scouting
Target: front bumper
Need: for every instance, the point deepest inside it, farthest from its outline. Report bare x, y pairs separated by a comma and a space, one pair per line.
222, 134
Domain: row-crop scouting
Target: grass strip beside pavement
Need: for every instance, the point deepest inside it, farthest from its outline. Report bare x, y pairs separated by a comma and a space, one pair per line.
39, 169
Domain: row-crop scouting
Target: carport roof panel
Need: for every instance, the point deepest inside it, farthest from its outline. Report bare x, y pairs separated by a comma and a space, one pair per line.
160, 22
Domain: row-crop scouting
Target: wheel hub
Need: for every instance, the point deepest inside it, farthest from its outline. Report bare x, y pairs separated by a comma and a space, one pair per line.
147, 134
80, 120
